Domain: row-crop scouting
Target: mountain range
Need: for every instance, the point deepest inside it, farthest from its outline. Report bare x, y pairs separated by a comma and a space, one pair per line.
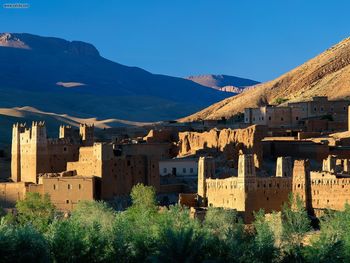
71, 77
328, 74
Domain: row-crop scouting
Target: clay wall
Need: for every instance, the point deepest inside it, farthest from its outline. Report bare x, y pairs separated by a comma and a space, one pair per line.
10, 193
249, 195
66, 192
329, 192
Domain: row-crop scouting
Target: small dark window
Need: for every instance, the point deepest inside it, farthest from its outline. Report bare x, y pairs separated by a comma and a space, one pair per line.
64, 149
54, 187
282, 119
270, 118
79, 186
297, 118
191, 170
67, 201
69, 186
128, 163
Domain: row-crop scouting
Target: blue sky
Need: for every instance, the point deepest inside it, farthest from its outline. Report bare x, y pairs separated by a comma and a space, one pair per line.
258, 39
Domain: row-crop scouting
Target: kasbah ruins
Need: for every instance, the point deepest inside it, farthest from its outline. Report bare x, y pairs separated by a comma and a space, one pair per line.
244, 164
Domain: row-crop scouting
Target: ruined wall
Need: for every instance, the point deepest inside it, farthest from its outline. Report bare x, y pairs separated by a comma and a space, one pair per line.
227, 141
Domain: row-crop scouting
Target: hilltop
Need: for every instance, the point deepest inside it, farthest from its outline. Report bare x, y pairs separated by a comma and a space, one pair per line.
328, 74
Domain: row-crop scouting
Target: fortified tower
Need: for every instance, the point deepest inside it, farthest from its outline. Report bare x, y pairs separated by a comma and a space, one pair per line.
29, 152
284, 167
329, 164
34, 152
301, 183
66, 132
246, 165
206, 169
17, 129
87, 134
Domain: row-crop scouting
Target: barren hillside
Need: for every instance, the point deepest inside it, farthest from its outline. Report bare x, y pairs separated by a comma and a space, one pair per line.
328, 74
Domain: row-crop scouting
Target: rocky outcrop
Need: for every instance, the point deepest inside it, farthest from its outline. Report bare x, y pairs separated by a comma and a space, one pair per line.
226, 141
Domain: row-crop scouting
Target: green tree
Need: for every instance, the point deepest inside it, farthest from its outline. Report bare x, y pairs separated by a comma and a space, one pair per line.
180, 238
295, 224
139, 223
21, 244
263, 245
332, 244
143, 198
36, 210
73, 242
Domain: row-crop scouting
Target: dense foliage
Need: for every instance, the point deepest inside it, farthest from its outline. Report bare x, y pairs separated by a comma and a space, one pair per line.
145, 233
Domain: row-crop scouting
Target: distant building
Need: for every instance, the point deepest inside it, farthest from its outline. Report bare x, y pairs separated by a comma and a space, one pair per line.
179, 167
295, 114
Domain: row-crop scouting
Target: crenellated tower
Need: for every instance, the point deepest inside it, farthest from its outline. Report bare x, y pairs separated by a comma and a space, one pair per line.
246, 165
329, 164
87, 134
301, 183
17, 129
65, 132
29, 152
284, 167
206, 169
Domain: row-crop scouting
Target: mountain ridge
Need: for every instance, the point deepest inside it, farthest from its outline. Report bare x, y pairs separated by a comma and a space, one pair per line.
75, 78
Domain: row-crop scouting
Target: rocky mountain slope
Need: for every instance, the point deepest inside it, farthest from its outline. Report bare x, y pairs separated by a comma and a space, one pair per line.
224, 82
328, 74
60, 76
